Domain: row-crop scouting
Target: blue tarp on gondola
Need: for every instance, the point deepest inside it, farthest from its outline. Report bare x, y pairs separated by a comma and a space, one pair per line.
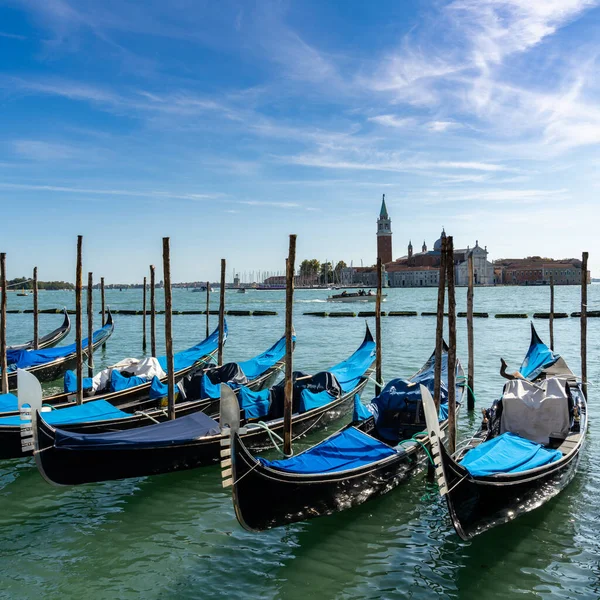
255, 404
310, 400
345, 450
24, 359
97, 410
507, 453
256, 366
398, 405
538, 358
187, 358
70, 382
169, 433
8, 403
349, 372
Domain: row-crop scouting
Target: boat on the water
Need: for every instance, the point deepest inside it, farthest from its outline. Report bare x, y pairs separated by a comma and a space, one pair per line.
360, 296
525, 452
49, 364
241, 290
128, 383
50, 339
197, 391
202, 288
70, 458
380, 449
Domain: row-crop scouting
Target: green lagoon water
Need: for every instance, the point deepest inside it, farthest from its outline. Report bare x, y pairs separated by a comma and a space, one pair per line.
175, 536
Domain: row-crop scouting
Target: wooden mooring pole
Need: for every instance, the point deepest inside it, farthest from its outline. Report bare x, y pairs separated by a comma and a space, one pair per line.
79, 322
289, 326
584, 262
207, 308
470, 338
36, 334
378, 366
168, 328
103, 304
451, 346
144, 317
551, 317
439, 328
3, 363
152, 312
221, 313
90, 319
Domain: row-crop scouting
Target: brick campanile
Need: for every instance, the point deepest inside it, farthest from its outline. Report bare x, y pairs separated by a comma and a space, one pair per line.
384, 235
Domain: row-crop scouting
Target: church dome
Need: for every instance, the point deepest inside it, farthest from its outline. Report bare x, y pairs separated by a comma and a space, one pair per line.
438, 243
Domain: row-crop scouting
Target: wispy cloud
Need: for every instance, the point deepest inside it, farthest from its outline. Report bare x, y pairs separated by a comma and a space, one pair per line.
393, 121
13, 36
44, 151
111, 192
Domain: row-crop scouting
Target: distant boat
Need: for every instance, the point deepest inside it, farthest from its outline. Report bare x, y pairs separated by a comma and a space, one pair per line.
23, 293
202, 288
241, 290
356, 297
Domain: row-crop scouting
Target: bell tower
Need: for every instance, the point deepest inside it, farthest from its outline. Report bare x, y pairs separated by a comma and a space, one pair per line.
384, 234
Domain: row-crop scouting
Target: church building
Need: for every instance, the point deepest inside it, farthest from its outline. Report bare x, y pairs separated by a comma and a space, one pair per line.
420, 269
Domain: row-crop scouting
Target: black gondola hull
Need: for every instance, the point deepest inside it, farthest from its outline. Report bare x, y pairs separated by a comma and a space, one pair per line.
67, 467
302, 497
49, 340
477, 504
10, 436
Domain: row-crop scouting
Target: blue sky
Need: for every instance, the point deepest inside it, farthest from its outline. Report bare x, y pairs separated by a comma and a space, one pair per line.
228, 125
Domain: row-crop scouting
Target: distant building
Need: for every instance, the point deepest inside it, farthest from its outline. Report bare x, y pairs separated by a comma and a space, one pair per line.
536, 270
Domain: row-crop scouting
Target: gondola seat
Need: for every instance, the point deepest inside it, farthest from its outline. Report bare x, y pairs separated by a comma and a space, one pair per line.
348, 449
507, 453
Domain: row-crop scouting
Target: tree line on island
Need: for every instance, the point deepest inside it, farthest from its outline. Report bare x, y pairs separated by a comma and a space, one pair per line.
317, 272
26, 283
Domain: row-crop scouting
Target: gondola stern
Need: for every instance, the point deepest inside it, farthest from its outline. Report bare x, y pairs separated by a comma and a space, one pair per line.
368, 335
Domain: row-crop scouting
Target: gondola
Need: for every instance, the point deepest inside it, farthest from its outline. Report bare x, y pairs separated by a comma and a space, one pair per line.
355, 297
121, 392
365, 459
48, 340
525, 452
198, 390
70, 458
49, 364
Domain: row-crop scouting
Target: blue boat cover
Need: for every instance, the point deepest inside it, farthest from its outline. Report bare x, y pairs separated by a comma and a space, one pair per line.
256, 404
169, 433
507, 453
256, 366
8, 403
397, 405
310, 400
70, 382
538, 357
119, 382
208, 389
348, 449
349, 372
97, 410
24, 359
361, 412
189, 357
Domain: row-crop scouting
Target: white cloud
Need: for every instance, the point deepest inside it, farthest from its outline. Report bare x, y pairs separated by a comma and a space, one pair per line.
393, 121
44, 151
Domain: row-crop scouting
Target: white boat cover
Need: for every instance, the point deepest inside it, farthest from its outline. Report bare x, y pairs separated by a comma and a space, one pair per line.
536, 412
145, 367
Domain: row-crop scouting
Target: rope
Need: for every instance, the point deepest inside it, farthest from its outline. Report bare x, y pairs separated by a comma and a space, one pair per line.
464, 382
373, 380
416, 441
272, 435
